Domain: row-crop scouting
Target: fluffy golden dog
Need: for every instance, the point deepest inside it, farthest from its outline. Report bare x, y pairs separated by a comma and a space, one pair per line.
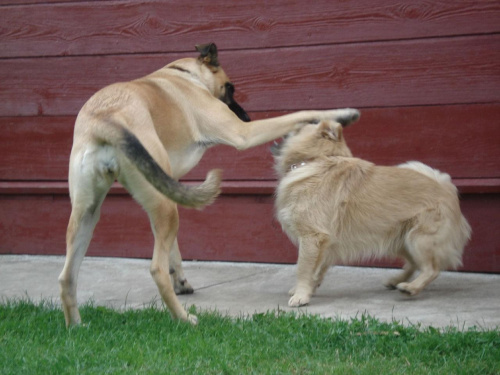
338, 208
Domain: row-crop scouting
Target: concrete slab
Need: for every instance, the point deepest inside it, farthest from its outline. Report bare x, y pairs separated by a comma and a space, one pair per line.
240, 289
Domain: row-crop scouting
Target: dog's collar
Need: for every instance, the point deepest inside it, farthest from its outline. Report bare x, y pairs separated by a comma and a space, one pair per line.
300, 164
297, 165
182, 70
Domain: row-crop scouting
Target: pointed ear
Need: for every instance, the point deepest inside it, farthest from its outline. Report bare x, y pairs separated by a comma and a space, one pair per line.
330, 130
208, 54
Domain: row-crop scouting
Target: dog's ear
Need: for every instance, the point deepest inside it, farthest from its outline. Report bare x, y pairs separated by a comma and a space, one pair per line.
208, 54
330, 130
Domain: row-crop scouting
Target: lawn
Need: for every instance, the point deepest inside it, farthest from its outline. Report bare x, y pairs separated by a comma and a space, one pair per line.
34, 340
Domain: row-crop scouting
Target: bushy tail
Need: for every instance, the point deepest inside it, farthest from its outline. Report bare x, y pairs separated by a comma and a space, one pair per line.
442, 178
189, 196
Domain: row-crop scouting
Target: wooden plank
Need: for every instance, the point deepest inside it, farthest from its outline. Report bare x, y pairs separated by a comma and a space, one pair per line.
35, 148
455, 139
478, 186
404, 73
42, 2
86, 28
240, 187
460, 140
235, 228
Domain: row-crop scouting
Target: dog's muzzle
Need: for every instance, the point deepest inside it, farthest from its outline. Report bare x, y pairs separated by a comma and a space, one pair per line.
233, 105
239, 111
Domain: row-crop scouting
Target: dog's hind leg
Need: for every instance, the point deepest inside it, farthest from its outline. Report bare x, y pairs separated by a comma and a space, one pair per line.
310, 261
409, 269
181, 285
422, 250
165, 223
423, 243
428, 273
164, 220
90, 181
320, 273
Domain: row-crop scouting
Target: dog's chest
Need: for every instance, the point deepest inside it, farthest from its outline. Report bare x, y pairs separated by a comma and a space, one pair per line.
289, 207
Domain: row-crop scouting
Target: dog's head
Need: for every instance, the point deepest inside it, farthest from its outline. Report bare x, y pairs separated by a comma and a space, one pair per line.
206, 69
310, 142
222, 86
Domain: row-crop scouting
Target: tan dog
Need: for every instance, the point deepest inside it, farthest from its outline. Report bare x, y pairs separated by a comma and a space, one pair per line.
148, 133
339, 208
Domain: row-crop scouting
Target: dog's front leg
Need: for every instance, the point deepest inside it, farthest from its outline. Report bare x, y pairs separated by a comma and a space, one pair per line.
310, 261
243, 135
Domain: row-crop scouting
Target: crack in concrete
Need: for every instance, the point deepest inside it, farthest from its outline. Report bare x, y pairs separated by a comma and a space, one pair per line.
229, 281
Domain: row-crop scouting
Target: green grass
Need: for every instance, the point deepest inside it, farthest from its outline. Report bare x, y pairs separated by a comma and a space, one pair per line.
34, 340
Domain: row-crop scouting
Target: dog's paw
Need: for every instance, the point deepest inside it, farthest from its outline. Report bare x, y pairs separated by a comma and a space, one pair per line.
192, 319
390, 284
346, 116
298, 300
182, 287
406, 289
291, 292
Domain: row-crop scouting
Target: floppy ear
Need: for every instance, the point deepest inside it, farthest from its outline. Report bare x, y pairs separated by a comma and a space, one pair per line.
208, 54
330, 130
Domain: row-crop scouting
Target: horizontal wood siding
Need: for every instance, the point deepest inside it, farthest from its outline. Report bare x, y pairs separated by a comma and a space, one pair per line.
458, 139
119, 27
426, 76
237, 228
380, 74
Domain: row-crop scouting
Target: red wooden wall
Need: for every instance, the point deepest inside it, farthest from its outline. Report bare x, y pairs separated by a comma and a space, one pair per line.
426, 76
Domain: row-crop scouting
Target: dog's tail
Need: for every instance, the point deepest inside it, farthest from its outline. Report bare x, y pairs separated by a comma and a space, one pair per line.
442, 178
197, 196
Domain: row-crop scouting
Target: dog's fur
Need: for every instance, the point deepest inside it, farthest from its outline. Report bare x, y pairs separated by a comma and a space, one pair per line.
339, 208
148, 133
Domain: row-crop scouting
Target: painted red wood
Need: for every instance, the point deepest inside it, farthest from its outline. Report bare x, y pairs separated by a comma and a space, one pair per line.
425, 74
463, 141
106, 27
35, 148
478, 185
235, 228
402, 73
41, 2
239, 187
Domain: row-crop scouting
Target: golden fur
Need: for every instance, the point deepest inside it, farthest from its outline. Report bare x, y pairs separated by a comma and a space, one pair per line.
337, 208
148, 133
